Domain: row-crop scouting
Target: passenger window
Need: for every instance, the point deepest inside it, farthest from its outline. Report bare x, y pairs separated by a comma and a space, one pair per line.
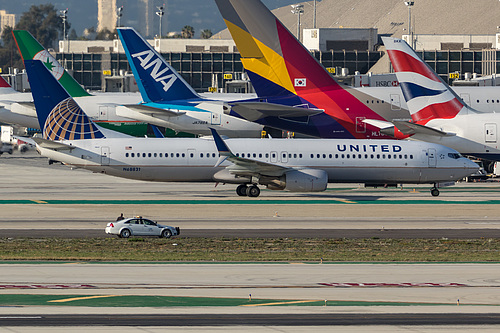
183, 155
177, 155
132, 155
149, 154
126, 154
161, 155
312, 155
143, 154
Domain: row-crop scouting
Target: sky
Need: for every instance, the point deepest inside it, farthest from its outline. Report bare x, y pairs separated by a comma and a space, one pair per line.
201, 14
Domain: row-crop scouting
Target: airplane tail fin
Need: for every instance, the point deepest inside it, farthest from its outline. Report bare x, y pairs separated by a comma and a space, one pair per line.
30, 48
59, 116
3, 83
280, 67
157, 80
276, 62
427, 95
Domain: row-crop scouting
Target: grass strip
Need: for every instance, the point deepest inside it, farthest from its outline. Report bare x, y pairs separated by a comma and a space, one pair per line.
176, 301
251, 250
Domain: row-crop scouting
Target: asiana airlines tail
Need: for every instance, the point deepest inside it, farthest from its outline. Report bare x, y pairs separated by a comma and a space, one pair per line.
299, 165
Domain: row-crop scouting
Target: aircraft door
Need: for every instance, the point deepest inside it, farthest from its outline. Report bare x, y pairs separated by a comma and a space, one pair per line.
360, 125
284, 157
103, 112
431, 157
466, 98
215, 118
490, 133
274, 157
395, 102
105, 155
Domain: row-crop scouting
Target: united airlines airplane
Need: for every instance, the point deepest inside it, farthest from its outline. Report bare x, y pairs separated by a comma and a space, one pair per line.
300, 165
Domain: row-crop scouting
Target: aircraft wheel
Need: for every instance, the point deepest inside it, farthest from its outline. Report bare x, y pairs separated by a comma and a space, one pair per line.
434, 192
253, 191
241, 190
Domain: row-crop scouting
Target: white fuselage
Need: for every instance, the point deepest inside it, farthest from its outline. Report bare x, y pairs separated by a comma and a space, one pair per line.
390, 101
106, 108
474, 134
193, 160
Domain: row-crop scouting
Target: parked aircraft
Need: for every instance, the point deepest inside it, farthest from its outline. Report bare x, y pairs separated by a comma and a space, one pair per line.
301, 165
438, 114
19, 109
283, 71
169, 101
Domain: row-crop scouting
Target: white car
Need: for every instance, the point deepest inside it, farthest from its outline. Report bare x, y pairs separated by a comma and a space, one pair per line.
138, 226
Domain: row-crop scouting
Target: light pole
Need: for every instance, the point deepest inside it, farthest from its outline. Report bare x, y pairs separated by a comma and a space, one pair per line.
410, 30
64, 17
160, 13
119, 13
314, 15
298, 9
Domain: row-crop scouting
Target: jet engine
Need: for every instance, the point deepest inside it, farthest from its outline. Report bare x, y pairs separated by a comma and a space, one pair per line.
304, 180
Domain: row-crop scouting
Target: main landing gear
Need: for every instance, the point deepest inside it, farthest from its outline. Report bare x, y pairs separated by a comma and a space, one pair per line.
434, 191
248, 191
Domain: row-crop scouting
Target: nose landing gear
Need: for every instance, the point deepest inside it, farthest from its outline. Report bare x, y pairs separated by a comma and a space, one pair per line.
434, 191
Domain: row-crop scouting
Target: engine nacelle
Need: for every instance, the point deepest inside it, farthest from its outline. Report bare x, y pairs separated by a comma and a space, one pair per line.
304, 180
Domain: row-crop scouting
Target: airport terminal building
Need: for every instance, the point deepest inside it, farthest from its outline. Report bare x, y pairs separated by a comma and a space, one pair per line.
346, 41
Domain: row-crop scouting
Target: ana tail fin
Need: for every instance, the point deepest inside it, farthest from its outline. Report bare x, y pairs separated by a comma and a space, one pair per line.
427, 95
30, 48
59, 116
156, 79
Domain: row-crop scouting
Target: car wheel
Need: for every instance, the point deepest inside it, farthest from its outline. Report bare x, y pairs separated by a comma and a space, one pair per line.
166, 233
125, 233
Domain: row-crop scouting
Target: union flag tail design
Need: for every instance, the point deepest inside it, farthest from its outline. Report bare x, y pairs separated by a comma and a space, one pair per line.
427, 95
59, 116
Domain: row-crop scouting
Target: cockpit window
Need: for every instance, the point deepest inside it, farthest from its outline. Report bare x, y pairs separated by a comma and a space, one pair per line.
455, 156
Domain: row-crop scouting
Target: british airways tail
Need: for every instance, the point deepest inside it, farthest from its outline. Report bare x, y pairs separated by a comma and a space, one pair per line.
427, 95
59, 116
280, 66
156, 79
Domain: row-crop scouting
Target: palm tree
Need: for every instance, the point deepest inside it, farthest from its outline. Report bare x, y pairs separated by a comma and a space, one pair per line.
187, 31
206, 34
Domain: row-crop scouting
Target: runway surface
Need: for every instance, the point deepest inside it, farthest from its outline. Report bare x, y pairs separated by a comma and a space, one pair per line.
47, 201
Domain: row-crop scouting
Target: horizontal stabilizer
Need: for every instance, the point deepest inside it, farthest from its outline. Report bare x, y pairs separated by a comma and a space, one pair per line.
411, 128
29, 105
256, 110
154, 111
53, 145
379, 123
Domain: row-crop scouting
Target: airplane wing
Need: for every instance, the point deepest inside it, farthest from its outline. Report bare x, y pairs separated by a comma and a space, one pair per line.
256, 110
153, 111
411, 128
53, 145
244, 166
405, 127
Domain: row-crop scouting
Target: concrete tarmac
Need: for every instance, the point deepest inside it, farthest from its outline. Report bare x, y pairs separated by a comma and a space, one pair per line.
30, 188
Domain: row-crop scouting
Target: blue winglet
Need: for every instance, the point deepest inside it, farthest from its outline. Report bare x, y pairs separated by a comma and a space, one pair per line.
157, 80
221, 145
157, 131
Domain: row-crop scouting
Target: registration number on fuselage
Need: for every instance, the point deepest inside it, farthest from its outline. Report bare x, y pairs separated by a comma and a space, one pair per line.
132, 169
